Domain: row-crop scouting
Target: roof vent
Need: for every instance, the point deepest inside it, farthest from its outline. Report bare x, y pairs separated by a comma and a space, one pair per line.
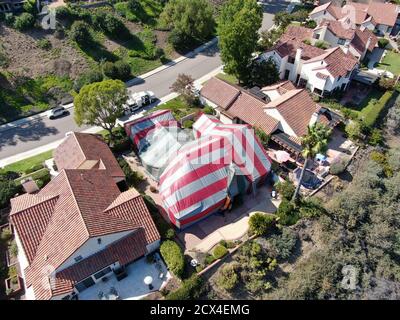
46, 257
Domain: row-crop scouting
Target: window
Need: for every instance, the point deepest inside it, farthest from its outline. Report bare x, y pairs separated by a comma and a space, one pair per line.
78, 258
99, 241
316, 36
102, 273
291, 60
341, 41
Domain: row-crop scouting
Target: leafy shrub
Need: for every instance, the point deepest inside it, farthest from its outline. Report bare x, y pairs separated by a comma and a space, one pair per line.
208, 110
219, 252
123, 70
173, 256
353, 130
310, 24
259, 223
387, 83
9, 19
286, 189
322, 44
382, 43
287, 213
115, 28
80, 33
13, 249
311, 208
30, 6
228, 277
44, 44
338, 166
307, 41
281, 246
188, 124
170, 234
372, 114
191, 289
382, 160
12, 272
209, 259
133, 178
87, 78
376, 137
8, 189
24, 21
6, 235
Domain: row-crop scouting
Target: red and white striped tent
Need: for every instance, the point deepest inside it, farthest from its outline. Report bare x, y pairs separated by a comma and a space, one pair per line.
225, 160
139, 129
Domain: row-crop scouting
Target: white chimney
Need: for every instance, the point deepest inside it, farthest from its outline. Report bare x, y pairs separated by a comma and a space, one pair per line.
296, 66
29, 185
346, 48
313, 118
297, 58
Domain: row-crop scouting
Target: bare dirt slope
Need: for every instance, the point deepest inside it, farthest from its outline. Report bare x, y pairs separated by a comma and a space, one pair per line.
25, 56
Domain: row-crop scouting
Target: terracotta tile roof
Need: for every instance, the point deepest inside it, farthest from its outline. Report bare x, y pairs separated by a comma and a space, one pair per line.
361, 40
297, 108
123, 251
250, 110
282, 87
80, 204
337, 28
288, 47
219, 92
337, 62
329, 7
86, 151
298, 32
383, 13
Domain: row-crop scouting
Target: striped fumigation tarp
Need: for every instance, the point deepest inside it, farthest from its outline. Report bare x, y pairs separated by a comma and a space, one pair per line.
139, 129
197, 181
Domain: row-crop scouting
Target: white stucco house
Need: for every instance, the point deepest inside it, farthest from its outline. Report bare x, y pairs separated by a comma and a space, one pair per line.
380, 17
321, 71
80, 228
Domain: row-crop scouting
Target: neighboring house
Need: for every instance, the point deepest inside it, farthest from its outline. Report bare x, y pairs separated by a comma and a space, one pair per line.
283, 114
359, 41
87, 151
79, 228
375, 16
321, 71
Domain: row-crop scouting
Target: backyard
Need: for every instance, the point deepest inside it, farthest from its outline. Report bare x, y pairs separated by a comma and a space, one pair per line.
391, 62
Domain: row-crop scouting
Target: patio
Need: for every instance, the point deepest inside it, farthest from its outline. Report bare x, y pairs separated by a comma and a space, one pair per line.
132, 287
206, 233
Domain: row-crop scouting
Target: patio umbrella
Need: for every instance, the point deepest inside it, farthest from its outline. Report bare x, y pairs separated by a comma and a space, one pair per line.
282, 156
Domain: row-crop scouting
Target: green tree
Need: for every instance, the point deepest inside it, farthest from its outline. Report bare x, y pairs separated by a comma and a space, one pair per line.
191, 21
263, 72
282, 19
100, 104
238, 27
269, 38
185, 87
314, 142
7, 190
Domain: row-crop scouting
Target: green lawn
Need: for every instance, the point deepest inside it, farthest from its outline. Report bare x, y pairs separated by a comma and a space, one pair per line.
178, 107
391, 62
23, 165
227, 77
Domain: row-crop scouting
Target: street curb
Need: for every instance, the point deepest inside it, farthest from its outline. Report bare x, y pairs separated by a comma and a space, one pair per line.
136, 80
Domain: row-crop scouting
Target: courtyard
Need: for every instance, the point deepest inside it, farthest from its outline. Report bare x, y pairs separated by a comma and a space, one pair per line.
132, 287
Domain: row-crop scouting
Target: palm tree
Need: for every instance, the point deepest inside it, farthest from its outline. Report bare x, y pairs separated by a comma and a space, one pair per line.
314, 142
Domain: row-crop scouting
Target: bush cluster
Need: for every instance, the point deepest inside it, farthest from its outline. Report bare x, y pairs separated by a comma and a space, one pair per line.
191, 289
117, 70
219, 252
173, 256
260, 223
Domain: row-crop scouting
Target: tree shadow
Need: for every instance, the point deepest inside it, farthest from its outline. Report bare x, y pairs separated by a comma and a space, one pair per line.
97, 51
31, 131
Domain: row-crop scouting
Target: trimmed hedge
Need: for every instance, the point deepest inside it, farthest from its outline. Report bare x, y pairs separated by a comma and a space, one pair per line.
260, 223
219, 252
173, 256
372, 114
191, 289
